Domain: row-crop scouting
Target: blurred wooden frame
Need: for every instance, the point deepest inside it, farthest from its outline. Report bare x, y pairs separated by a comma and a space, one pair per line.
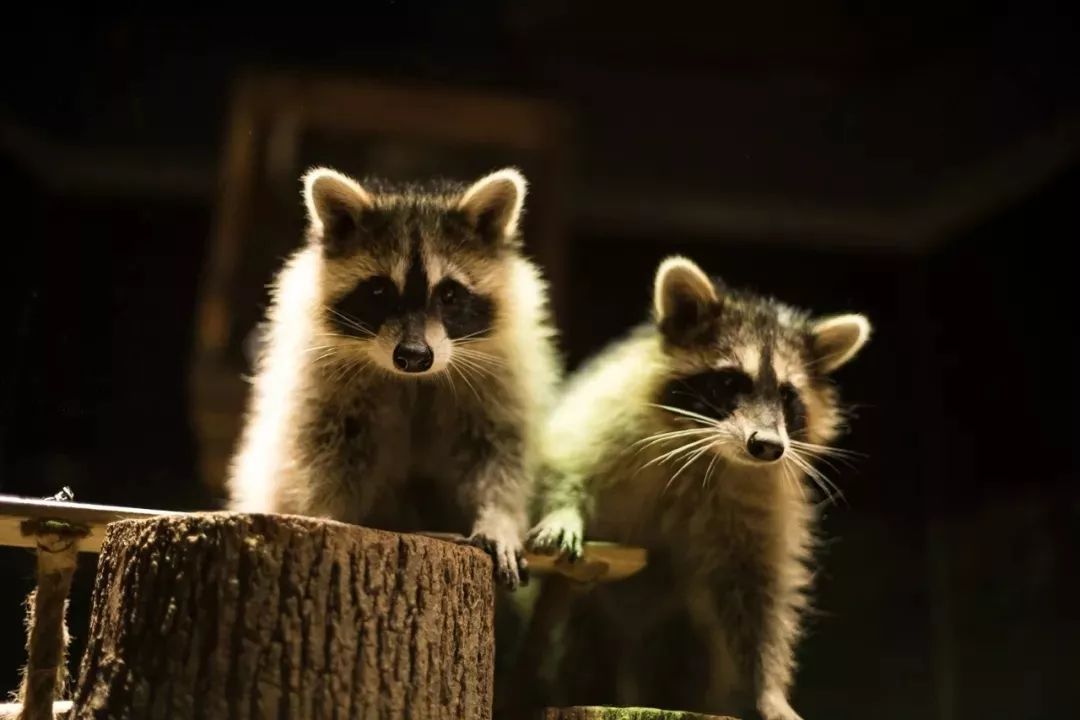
268, 118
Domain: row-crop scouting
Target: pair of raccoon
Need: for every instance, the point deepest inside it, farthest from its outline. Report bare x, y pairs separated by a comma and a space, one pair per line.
409, 381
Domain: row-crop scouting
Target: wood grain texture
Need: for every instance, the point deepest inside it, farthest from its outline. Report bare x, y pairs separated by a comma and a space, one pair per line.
228, 615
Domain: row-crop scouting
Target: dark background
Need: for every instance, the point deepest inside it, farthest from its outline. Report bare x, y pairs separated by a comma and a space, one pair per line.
916, 161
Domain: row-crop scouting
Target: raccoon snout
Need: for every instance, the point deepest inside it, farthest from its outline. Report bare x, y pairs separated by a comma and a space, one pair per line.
765, 446
413, 356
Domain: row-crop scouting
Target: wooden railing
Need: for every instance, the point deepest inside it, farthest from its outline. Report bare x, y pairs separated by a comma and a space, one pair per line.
21, 519
59, 528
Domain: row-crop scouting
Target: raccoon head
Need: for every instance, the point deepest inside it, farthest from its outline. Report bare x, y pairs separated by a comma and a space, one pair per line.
747, 375
411, 275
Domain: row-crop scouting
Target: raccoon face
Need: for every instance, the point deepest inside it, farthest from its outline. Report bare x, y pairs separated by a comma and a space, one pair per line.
747, 376
412, 278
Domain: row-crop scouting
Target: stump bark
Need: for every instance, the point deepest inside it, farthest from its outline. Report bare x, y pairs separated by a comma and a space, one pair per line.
628, 713
224, 615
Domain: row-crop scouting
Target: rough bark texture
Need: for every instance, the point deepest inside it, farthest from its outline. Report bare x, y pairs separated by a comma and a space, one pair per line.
617, 713
225, 615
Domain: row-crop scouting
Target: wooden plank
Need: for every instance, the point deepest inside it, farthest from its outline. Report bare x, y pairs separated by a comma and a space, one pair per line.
14, 511
600, 561
61, 709
625, 713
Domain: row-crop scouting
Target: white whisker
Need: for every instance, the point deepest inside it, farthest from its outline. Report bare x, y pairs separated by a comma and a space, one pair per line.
472, 337
656, 438
480, 356
827, 486
351, 322
709, 470
449, 380
687, 447
704, 420
693, 458
791, 478
824, 453
462, 373
475, 366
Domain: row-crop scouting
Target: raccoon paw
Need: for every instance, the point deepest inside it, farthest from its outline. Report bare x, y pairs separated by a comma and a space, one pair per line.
774, 706
511, 570
559, 533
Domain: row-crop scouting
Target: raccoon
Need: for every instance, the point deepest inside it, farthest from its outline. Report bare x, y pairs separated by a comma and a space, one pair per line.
693, 438
406, 363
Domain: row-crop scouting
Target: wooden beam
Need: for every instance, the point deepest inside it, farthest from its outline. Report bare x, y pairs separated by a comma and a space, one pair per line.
11, 711
21, 517
625, 713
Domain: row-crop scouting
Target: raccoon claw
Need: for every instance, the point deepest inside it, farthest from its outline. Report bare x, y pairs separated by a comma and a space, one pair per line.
559, 533
511, 569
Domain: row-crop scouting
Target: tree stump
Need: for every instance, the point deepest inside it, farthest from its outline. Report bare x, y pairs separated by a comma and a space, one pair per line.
225, 615
624, 713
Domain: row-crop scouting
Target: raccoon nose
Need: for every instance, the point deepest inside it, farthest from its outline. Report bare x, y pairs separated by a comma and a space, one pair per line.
413, 356
765, 447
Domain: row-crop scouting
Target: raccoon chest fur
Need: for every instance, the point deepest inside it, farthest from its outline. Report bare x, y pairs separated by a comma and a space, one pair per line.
707, 529
392, 456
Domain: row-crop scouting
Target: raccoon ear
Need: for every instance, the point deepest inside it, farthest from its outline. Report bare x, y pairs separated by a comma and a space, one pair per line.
683, 295
836, 340
334, 204
493, 205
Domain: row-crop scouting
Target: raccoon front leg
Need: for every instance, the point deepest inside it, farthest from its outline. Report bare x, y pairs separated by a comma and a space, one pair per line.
499, 535
708, 622
776, 662
628, 667
561, 530
767, 622
500, 493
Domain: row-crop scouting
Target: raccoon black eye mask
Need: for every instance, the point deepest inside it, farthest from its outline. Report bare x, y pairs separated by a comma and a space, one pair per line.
461, 314
713, 394
464, 314
716, 394
363, 311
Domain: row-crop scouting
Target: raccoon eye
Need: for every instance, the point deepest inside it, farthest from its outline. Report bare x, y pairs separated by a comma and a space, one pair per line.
733, 382
794, 409
788, 394
687, 399
378, 287
451, 292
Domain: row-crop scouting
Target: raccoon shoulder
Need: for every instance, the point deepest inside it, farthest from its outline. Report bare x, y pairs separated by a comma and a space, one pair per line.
280, 388
605, 402
527, 337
